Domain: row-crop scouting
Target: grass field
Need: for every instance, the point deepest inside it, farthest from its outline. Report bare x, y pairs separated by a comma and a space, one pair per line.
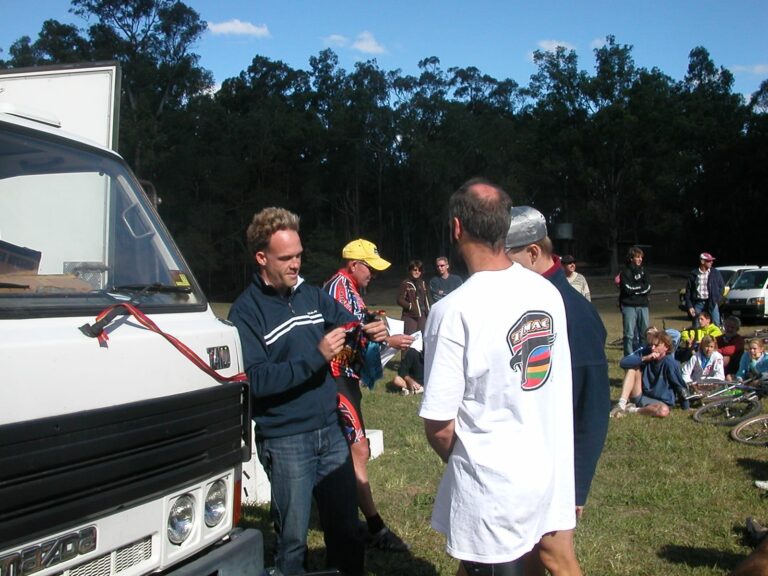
669, 498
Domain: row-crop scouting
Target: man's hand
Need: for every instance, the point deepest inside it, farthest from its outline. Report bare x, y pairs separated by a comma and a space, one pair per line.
400, 341
332, 343
376, 331
692, 312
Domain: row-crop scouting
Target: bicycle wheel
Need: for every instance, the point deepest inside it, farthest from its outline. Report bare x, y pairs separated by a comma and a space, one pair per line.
728, 412
753, 431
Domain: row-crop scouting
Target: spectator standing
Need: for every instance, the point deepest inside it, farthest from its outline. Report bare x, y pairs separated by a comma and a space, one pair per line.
497, 401
527, 244
289, 331
652, 382
445, 282
731, 345
634, 289
704, 289
575, 279
413, 298
361, 258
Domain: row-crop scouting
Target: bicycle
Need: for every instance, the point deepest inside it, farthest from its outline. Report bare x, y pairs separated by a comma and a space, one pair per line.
709, 390
731, 411
753, 431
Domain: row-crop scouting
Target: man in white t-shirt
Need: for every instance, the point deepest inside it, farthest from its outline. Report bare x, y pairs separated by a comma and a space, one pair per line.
497, 403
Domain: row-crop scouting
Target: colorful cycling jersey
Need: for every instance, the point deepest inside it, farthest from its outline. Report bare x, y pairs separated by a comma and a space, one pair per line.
349, 361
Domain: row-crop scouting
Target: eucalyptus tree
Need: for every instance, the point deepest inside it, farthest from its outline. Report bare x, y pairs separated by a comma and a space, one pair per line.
553, 129
716, 120
356, 146
153, 41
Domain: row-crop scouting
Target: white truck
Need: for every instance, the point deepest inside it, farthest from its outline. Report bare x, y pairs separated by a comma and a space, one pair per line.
123, 421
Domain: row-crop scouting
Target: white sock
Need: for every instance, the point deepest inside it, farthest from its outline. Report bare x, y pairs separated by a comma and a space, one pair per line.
623, 403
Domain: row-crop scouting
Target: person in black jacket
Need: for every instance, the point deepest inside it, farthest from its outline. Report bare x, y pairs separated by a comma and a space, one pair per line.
527, 244
633, 300
289, 332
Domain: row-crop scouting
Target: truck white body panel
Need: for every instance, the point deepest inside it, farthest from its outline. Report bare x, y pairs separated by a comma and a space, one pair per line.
83, 99
51, 368
105, 430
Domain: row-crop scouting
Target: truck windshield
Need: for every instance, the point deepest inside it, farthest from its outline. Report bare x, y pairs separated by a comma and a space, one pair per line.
78, 233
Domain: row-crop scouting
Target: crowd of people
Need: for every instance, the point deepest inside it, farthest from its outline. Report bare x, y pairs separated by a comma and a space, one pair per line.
493, 379
660, 373
527, 377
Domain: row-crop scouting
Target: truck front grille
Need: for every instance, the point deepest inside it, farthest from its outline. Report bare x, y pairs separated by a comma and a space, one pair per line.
116, 561
64, 471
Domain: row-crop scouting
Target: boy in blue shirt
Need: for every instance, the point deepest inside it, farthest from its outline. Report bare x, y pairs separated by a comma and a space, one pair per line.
652, 381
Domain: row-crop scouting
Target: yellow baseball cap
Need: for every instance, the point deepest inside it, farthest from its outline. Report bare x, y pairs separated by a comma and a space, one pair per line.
366, 252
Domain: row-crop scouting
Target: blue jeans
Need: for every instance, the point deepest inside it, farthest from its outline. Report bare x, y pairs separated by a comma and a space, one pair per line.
302, 466
635, 324
700, 306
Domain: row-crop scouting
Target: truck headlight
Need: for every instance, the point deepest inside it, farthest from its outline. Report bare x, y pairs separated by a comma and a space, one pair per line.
760, 301
181, 519
215, 503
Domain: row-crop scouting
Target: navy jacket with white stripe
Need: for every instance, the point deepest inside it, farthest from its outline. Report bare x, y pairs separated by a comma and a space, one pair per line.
291, 384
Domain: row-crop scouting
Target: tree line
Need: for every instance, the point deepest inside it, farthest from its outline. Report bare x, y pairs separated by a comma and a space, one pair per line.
624, 154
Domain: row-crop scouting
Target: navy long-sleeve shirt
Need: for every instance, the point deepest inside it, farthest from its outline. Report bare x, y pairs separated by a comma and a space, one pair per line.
662, 379
291, 385
591, 387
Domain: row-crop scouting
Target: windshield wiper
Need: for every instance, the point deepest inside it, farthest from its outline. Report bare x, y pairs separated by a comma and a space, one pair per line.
153, 288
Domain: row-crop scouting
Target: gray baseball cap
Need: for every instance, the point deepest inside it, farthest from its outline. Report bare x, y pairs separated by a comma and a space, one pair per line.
527, 226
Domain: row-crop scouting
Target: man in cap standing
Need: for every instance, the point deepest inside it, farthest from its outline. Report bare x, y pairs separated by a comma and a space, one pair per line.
704, 289
361, 259
497, 399
527, 244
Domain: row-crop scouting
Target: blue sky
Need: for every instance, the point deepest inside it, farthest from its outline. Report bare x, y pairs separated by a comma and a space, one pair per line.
496, 36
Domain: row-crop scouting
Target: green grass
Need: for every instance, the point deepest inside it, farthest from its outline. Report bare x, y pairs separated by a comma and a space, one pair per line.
669, 497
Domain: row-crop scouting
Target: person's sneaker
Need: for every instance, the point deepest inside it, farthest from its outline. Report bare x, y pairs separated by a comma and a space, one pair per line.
762, 484
631, 408
617, 412
418, 390
388, 541
404, 392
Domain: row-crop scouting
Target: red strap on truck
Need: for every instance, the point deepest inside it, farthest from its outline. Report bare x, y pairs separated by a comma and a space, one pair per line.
96, 330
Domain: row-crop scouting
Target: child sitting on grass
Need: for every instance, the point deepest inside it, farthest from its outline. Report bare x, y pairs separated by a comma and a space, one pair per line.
652, 382
754, 361
706, 363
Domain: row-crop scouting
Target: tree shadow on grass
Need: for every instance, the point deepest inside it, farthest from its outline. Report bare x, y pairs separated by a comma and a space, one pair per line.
758, 469
377, 562
693, 556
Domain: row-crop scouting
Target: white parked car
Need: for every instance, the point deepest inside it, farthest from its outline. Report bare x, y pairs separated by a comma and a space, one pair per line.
730, 275
747, 296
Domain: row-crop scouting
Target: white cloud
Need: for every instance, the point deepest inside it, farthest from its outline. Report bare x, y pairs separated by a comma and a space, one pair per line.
237, 28
551, 45
336, 41
597, 43
756, 69
367, 44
